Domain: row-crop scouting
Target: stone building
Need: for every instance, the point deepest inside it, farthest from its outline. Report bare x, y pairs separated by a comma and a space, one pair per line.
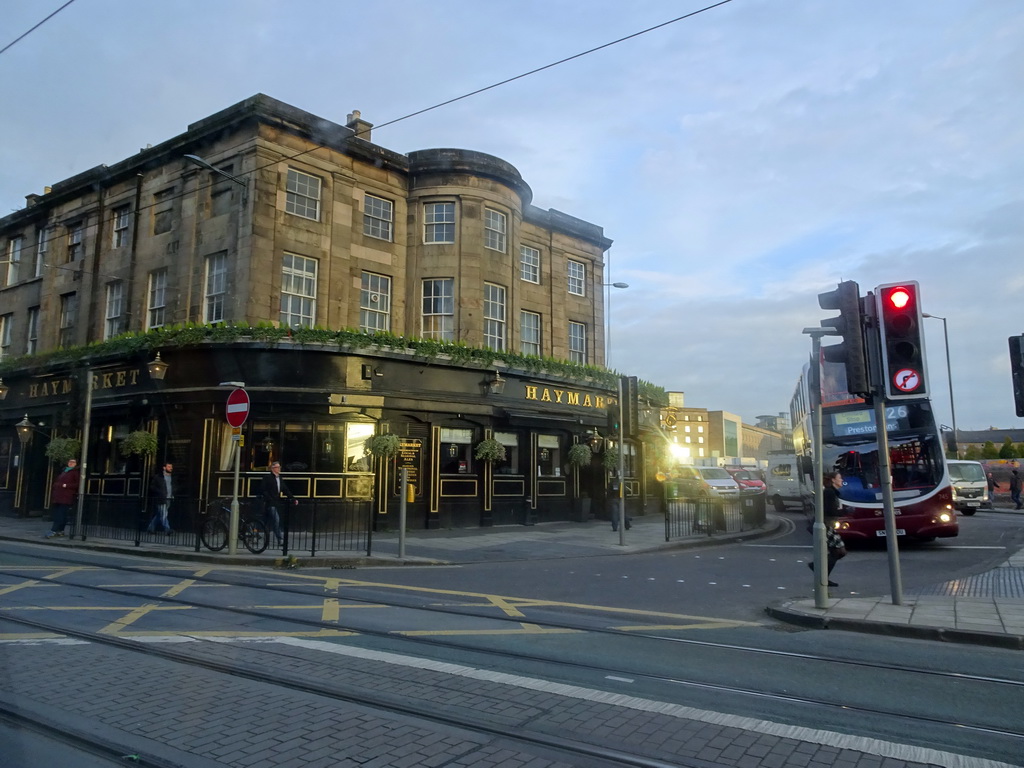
264, 215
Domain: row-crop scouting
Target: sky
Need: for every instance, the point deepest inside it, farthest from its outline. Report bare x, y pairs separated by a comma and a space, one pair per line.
743, 160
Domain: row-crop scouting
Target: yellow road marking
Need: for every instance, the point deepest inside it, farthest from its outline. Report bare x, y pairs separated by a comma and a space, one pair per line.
115, 627
24, 584
66, 571
331, 612
186, 583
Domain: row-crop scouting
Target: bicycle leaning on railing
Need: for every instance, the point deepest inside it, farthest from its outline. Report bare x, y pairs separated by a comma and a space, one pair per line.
252, 532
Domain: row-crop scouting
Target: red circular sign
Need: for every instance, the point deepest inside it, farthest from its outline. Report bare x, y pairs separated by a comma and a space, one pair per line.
238, 407
906, 380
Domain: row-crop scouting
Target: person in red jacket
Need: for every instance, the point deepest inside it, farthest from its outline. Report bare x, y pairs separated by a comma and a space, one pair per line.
62, 495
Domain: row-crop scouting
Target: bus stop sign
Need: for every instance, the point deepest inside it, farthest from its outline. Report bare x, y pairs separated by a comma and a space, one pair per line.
238, 407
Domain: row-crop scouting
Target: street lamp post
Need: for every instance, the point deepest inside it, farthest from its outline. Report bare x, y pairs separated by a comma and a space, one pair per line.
608, 318
949, 377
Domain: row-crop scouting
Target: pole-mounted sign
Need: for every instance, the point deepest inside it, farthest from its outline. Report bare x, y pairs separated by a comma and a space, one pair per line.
238, 407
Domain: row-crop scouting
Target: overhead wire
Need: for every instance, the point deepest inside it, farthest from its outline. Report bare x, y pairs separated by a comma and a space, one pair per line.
357, 133
34, 28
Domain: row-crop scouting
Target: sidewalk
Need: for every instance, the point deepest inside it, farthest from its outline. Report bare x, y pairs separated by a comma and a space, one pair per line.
986, 609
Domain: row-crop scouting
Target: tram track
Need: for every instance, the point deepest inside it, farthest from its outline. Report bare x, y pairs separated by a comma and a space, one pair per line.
910, 721
463, 611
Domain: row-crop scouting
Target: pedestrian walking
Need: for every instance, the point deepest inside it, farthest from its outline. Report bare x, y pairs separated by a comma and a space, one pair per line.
1015, 488
274, 490
63, 493
834, 543
161, 492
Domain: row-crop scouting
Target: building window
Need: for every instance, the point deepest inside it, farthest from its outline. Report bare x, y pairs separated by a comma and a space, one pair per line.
121, 226
439, 308
303, 195
42, 245
163, 211
222, 192
14, 246
577, 273
456, 451
6, 323
577, 343
115, 310
529, 264
216, 287
68, 318
494, 230
378, 217
32, 331
510, 464
298, 291
156, 316
76, 233
439, 223
375, 303
494, 316
529, 333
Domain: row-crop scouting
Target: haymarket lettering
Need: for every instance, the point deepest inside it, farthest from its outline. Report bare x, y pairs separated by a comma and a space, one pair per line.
564, 397
127, 377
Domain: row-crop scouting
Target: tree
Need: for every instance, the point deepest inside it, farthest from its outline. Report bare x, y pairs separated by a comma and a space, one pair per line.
972, 453
988, 450
1007, 451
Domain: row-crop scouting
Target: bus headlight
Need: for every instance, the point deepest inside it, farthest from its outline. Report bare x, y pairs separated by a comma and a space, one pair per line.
945, 517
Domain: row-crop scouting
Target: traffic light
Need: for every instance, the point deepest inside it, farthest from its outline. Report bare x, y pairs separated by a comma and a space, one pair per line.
613, 421
850, 352
1017, 369
901, 341
628, 397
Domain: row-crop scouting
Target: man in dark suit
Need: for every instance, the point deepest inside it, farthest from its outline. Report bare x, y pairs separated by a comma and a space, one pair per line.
273, 491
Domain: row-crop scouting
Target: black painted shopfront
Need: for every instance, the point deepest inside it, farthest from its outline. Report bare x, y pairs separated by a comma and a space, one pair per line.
313, 408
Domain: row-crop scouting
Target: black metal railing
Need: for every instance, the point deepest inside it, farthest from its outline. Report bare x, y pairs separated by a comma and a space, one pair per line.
708, 515
311, 527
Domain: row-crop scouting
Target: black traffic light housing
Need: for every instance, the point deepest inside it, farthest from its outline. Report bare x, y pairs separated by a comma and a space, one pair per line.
612, 425
1017, 370
901, 341
630, 403
850, 325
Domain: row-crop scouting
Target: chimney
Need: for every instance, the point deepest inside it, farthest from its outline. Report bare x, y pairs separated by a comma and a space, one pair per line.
358, 125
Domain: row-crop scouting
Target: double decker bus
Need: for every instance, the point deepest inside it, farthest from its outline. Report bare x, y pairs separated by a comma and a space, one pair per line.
921, 489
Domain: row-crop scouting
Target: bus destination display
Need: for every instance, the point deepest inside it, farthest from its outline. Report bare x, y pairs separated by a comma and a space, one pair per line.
855, 423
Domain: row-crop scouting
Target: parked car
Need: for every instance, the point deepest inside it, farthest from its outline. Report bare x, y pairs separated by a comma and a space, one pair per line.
685, 482
720, 481
748, 480
970, 485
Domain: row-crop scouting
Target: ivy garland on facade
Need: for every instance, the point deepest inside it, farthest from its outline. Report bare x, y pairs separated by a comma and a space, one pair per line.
192, 334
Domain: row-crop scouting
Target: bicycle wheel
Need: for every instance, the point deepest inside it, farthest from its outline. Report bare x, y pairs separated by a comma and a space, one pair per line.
214, 534
253, 534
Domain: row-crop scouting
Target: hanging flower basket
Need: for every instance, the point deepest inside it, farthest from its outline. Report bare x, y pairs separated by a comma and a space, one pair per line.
580, 455
489, 450
610, 459
139, 443
382, 446
61, 449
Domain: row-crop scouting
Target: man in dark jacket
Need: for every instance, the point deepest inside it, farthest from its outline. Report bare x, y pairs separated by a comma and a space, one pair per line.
1015, 488
63, 494
273, 490
161, 491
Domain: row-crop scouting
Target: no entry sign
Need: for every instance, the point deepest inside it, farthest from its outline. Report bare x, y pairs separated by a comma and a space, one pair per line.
238, 407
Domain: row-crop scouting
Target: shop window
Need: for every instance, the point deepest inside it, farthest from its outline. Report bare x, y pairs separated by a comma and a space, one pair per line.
107, 449
549, 456
510, 464
297, 450
6, 444
456, 451
265, 445
330, 447
356, 435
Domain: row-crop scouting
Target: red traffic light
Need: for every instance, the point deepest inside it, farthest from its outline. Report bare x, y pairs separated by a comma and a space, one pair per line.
899, 297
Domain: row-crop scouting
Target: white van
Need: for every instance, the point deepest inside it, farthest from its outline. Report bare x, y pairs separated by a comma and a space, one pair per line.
970, 485
783, 481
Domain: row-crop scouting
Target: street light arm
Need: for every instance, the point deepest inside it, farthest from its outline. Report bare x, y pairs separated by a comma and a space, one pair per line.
203, 164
